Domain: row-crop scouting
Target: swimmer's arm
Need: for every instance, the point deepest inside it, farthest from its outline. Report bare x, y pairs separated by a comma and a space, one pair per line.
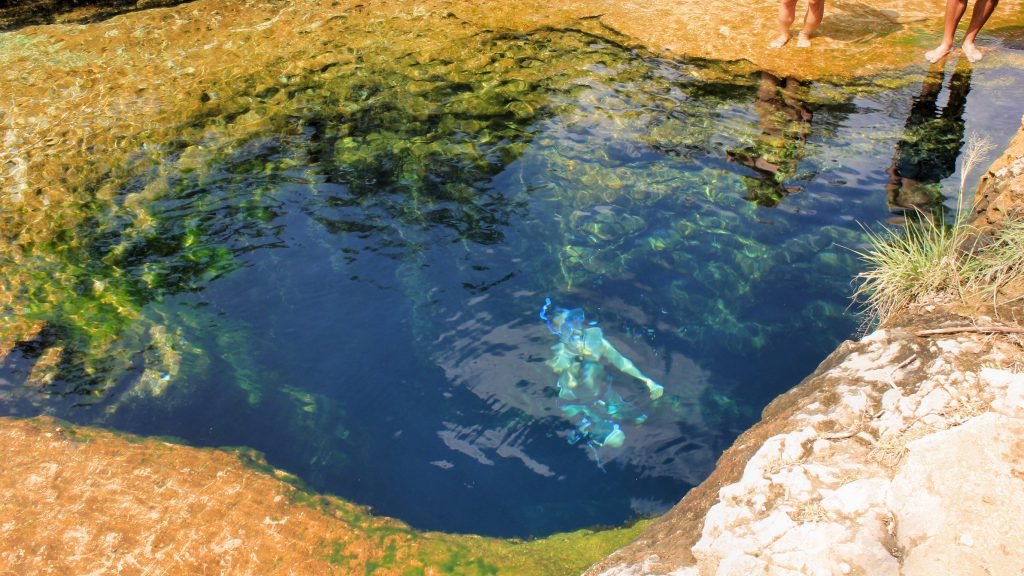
567, 381
627, 367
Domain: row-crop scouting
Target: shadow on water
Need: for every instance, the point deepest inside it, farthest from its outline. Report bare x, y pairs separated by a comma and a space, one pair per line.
16, 14
1011, 37
859, 22
345, 270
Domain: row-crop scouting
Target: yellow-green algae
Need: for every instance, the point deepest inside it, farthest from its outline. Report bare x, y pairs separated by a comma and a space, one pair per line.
365, 544
410, 551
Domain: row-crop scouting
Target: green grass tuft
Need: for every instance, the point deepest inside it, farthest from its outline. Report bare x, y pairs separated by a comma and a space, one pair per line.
928, 257
1000, 262
904, 265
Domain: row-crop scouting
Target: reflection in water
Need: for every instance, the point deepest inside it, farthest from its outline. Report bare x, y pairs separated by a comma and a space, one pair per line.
931, 142
785, 122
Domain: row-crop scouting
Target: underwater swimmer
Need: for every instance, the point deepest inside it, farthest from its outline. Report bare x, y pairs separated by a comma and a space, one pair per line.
583, 385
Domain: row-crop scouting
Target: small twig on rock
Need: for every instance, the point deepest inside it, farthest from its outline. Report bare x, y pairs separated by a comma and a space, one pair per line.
840, 435
901, 366
982, 329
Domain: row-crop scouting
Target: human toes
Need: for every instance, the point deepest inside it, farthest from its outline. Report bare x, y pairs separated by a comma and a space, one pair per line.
936, 54
972, 52
779, 41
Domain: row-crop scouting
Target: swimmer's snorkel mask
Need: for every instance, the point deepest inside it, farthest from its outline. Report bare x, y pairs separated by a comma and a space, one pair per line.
566, 324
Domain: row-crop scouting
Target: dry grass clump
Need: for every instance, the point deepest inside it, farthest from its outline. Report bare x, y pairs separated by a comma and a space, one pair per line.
892, 448
908, 264
1001, 261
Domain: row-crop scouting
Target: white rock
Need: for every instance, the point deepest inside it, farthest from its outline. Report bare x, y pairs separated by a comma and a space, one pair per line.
807, 549
712, 551
766, 456
908, 404
809, 538
948, 346
857, 403
794, 444
742, 565
856, 498
795, 483
1010, 402
820, 446
722, 517
821, 474
782, 571
933, 403
890, 399
877, 336
772, 527
960, 481
996, 378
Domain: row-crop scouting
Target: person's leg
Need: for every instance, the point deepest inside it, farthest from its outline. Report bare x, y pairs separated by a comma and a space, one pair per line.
621, 411
954, 12
787, 13
812, 19
982, 10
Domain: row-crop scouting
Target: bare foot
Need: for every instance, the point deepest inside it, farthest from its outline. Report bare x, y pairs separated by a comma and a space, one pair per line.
972, 52
803, 41
937, 53
779, 41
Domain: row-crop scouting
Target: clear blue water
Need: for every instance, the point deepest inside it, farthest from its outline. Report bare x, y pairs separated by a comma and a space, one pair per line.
354, 291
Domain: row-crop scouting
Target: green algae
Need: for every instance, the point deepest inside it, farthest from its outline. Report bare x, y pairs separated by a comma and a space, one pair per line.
409, 551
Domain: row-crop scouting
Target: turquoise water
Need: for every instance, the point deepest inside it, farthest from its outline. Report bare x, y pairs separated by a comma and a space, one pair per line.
354, 288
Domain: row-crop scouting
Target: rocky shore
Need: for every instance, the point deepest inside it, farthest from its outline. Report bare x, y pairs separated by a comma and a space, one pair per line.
902, 454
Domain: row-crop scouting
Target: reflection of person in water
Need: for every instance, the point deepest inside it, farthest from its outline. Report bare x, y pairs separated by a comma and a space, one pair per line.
584, 389
785, 123
927, 151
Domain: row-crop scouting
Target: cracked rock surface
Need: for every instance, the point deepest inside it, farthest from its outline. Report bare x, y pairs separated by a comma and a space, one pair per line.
903, 454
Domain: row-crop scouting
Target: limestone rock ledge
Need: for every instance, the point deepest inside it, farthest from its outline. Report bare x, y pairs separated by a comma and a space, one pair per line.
901, 455
1001, 190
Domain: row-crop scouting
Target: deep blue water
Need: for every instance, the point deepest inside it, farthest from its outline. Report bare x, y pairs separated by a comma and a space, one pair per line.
373, 323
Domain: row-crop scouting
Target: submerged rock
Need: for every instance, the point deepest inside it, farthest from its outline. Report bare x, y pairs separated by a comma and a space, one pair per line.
89, 501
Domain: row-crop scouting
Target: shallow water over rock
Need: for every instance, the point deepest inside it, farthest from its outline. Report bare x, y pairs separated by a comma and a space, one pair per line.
344, 269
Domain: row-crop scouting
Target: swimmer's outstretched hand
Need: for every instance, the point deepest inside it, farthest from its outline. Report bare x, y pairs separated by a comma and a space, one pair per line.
656, 389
